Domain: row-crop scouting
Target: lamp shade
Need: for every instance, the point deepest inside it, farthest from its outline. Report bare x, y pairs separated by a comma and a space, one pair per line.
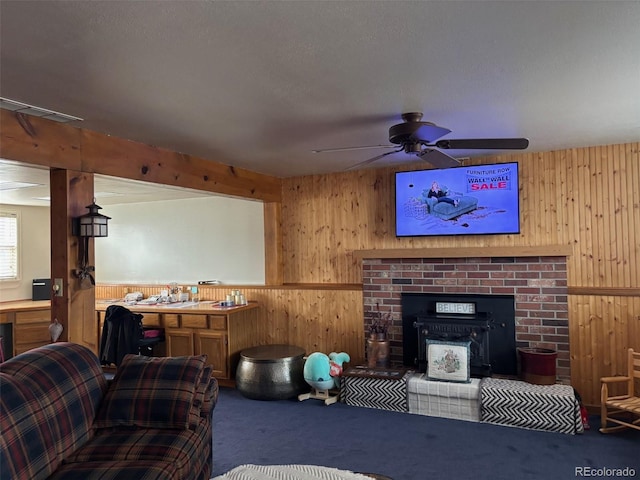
93, 224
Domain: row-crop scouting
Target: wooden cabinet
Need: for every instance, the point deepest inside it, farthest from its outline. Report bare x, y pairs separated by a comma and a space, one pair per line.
30, 322
219, 333
201, 334
31, 330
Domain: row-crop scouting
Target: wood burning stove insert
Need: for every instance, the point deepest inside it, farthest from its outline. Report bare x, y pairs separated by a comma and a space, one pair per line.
487, 321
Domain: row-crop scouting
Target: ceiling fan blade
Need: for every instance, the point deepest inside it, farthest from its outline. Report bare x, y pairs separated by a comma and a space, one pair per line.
429, 132
371, 160
483, 143
344, 149
438, 159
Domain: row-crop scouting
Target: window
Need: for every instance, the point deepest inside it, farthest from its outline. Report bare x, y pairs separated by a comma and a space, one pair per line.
8, 246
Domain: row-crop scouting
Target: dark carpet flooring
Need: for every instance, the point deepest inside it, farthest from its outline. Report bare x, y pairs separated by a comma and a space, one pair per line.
404, 446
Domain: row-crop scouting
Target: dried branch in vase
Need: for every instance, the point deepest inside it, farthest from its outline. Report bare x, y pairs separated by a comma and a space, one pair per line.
380, 322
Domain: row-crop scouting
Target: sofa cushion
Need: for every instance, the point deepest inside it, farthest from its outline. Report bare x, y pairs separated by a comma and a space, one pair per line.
117, 470
26, 446
183, 448
152, 392
446, 211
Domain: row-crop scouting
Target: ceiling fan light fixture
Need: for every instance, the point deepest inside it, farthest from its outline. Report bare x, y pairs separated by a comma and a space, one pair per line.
421, 139
412, 148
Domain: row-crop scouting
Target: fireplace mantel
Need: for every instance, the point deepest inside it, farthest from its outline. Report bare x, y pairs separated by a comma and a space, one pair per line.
466, 252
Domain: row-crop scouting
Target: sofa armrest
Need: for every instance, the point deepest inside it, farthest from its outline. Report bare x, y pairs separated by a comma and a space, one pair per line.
210, 398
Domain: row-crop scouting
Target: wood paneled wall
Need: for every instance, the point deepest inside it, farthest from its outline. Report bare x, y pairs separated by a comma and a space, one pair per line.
586, 198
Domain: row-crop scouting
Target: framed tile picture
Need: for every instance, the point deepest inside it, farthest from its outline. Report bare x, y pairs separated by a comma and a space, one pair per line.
448, 361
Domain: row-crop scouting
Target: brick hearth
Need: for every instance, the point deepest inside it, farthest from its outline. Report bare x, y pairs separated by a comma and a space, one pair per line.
538, 284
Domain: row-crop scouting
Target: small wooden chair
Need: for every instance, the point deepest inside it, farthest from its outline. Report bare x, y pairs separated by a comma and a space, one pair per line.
623, 410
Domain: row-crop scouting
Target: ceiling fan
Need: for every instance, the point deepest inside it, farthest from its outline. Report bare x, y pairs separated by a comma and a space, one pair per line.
421, 139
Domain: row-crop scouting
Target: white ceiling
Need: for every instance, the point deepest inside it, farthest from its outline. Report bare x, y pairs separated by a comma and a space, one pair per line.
259, 84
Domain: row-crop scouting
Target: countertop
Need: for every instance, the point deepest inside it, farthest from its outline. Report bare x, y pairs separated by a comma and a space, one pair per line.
186, 307
101, 305
22, 305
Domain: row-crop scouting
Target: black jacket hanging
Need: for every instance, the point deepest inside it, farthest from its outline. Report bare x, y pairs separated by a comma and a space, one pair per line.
121, 334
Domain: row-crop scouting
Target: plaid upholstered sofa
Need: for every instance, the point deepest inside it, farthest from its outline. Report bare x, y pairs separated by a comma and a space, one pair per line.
60, 418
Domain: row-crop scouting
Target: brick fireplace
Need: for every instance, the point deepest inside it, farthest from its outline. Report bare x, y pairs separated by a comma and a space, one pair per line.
537, 283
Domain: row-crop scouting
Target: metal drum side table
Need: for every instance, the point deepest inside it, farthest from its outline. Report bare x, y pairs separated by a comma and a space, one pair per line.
271, 372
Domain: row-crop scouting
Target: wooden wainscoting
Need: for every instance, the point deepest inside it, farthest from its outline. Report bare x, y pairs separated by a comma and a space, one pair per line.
601, 330
316, 318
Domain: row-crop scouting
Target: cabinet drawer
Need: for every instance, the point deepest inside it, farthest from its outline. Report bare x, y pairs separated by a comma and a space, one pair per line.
33, 316
194, 321
32, 334
217, 322
170, 320
151, 319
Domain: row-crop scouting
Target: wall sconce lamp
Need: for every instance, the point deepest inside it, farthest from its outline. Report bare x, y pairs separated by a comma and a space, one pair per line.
89, 225
93, 224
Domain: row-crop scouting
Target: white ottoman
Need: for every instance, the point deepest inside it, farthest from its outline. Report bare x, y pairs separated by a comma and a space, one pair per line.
460, 401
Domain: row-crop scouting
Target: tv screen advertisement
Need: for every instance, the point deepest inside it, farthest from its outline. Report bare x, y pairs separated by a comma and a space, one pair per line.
474, 200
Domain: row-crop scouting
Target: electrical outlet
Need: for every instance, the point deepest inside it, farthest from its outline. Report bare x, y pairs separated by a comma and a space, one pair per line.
58, 287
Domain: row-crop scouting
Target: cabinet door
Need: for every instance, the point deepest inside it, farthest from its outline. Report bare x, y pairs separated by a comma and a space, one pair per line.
214, 346
179, 342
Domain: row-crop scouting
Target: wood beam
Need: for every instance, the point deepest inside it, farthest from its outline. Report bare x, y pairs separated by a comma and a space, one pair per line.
39, 141
71, 192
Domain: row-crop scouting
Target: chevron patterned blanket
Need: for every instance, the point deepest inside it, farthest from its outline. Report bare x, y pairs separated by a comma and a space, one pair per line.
552, 408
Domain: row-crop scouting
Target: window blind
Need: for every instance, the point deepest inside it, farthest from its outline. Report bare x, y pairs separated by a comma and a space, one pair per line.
8, 246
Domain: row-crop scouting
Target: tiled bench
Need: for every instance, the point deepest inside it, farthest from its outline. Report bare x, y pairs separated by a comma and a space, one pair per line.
552, 408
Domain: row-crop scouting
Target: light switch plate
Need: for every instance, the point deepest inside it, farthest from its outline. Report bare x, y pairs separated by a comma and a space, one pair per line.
58, 287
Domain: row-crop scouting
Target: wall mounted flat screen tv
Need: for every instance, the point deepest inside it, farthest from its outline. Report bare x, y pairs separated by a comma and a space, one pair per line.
477, 200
